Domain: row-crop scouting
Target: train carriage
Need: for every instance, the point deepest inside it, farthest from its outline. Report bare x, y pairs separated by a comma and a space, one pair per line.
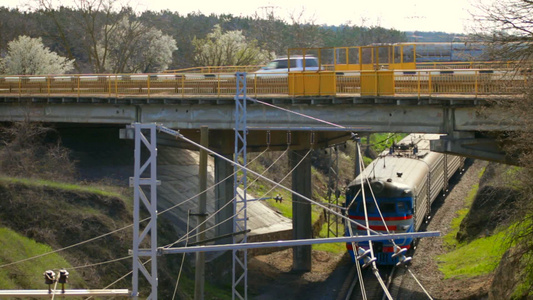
405, 181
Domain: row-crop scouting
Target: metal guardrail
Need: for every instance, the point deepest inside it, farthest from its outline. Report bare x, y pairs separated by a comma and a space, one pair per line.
216, 69
505, 65
471, 82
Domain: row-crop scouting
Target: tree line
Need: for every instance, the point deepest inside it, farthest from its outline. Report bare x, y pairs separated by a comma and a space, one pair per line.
103, 36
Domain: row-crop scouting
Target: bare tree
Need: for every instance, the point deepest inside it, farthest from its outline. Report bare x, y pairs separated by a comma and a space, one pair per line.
507, 25
304, 30
133, 47
93, 22
26, 152
270, 30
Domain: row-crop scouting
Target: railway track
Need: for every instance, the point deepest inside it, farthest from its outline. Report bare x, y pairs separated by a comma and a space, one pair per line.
372, 287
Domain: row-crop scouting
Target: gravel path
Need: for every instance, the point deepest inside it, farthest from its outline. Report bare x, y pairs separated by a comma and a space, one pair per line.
424, 264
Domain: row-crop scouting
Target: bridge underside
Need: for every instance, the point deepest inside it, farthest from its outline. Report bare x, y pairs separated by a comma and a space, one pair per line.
458, 117
222, 141
474, 145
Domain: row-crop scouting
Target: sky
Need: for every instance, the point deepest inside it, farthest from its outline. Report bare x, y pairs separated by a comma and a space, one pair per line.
406, 15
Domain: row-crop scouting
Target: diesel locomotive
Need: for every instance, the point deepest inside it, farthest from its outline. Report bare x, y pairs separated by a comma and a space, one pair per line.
399, 188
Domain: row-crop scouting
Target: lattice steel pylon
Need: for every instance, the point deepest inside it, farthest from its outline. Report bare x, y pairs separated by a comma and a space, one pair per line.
240, 264
333, 191
148, 235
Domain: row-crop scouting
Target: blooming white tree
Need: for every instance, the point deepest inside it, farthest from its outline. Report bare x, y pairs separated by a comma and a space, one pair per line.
28, 56
133, 47
228, 49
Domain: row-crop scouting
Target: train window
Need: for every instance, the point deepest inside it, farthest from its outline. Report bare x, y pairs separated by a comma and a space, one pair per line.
370, 207
387, 207
402, 207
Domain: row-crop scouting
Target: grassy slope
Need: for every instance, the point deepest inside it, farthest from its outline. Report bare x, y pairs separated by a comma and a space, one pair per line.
59, 214
479, 257
38, 215
28, 274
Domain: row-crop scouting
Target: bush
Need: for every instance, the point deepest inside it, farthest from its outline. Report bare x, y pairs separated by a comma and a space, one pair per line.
32, 150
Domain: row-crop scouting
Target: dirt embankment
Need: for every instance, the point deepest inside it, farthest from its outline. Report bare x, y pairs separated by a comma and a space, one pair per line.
424, 264
61, 218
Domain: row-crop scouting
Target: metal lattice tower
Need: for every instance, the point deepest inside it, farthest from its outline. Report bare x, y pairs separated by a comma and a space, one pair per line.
148, 235
240, 263
333, 191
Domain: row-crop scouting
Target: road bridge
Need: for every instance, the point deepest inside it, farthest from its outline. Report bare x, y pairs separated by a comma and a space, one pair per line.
458, 116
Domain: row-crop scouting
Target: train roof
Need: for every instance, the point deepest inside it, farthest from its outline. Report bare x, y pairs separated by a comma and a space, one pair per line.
405, 166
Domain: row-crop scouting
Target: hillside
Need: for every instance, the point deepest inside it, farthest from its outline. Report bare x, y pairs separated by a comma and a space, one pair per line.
37, 217
59, 216
474, 258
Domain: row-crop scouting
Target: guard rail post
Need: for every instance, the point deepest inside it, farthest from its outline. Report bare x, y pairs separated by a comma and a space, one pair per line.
429, 83
418, 84
476, 74
148, 86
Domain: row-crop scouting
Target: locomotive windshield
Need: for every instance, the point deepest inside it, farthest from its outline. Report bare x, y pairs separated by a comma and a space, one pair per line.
386, 207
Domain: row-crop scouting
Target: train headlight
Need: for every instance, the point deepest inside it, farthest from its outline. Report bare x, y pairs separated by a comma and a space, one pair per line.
405, 227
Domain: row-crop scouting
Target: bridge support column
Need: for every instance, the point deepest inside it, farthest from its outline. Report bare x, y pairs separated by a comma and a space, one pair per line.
301, 209
223, 195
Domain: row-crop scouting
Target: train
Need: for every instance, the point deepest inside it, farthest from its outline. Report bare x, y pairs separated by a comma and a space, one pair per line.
451, 52
405, 181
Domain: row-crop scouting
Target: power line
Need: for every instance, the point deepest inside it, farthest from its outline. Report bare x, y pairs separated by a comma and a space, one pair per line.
179, 135
182, 261
229, 202
123, 228
101, 263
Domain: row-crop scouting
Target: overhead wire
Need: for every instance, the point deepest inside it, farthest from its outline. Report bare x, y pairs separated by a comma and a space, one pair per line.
221, 208
391, 240
122, 228
101, 263
275, 183
297, 113
65, 248
182, 261
419, 283
227, 219
187, 232
168, 209
355, 253
372, 259
370, 247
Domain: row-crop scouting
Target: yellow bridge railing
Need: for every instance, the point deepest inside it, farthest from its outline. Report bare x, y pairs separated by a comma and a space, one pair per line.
471, 82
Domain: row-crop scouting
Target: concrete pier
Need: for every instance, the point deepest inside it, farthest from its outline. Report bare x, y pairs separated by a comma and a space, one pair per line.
301, 209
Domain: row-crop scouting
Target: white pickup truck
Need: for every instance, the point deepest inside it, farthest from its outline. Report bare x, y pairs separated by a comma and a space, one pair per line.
281, 66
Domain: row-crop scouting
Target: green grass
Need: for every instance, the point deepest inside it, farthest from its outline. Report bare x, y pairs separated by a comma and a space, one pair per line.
260, 189
186, 286
335, 248
60, 185
28, 274
524, 287
449, 239
476, 258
